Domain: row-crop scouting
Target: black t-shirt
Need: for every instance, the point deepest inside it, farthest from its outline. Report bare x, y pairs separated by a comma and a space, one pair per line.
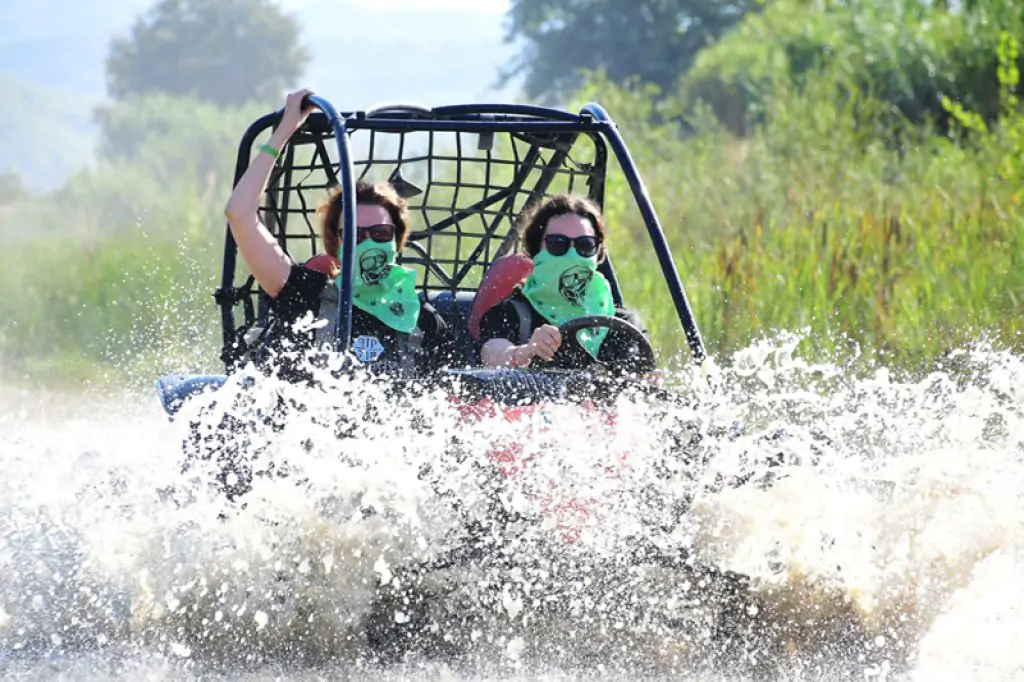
301, 295
502, 322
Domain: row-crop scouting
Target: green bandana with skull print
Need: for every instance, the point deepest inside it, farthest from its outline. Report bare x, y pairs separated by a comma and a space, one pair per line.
565, 287
383, 288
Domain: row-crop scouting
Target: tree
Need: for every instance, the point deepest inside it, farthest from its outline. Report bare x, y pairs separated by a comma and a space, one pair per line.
655, 40
909, 54
174, 137
12, 187
228, 52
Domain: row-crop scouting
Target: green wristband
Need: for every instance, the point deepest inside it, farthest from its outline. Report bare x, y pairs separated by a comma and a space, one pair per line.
269, 150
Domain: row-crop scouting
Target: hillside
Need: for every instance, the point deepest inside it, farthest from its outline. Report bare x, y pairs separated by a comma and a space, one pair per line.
44, 133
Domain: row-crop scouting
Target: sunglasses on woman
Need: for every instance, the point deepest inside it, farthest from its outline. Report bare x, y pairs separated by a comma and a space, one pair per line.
381, 234
558, 244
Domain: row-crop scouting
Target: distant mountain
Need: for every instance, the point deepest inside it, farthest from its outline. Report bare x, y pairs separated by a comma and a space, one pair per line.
44, 133
60, 44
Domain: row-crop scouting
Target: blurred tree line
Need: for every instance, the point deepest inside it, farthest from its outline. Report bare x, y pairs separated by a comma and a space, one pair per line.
733, 55
185, 60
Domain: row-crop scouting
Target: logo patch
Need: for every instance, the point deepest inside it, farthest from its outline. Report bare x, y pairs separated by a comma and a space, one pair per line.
367, 348
373, 266
573, 284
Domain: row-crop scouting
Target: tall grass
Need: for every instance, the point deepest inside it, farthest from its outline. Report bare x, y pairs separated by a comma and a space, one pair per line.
879, 238
110, 302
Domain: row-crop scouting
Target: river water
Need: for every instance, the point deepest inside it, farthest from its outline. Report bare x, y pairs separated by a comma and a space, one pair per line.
853, 528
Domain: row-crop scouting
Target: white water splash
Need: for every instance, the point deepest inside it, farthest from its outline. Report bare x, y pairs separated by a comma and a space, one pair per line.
879, 526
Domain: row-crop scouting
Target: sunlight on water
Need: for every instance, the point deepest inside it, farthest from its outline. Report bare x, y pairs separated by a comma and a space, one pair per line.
794, 523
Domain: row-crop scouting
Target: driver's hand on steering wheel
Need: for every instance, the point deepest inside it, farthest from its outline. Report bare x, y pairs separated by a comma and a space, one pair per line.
545, 341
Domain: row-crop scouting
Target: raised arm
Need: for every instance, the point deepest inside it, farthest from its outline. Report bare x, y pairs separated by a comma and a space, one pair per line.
267, 261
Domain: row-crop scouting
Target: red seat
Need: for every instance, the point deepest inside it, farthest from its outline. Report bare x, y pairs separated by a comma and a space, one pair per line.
500, 281
324, 263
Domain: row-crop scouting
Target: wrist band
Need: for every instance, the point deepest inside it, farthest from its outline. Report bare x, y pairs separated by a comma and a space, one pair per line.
269, 150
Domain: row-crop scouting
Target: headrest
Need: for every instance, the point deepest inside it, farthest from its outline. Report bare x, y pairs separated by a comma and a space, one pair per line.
500, 281
324, 263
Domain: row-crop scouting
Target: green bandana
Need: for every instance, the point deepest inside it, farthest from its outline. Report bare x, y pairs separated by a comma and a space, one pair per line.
384, 289
565, 287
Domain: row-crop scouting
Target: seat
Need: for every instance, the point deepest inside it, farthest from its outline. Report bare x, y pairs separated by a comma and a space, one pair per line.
456, 308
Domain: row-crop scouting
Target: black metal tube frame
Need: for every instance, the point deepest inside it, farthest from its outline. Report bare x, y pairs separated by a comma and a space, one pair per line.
480, 118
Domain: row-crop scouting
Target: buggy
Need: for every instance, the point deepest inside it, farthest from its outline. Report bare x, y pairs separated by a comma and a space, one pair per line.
467, 172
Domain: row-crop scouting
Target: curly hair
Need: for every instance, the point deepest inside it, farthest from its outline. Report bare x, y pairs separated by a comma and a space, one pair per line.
534, 222
381, 194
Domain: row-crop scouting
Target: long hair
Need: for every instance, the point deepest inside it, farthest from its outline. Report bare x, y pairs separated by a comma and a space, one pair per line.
380, 194
534, 222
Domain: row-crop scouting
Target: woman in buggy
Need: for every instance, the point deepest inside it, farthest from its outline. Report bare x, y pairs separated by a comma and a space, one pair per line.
391, 328
564, 236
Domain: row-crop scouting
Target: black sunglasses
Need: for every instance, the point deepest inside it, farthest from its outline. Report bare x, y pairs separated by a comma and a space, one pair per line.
558, 244
379, 233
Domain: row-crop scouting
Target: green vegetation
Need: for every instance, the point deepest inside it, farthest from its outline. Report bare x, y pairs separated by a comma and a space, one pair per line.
819, 221
229, 52
109, 278
655, 40
888, 232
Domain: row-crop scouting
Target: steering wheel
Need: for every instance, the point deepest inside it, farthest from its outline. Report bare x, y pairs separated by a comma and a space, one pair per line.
572, 351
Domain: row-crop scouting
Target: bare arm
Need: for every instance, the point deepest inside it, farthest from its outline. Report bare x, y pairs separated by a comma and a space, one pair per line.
503, 353
267, 261
543, 343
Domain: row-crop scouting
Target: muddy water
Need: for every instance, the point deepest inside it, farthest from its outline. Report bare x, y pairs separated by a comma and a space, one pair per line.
853, 528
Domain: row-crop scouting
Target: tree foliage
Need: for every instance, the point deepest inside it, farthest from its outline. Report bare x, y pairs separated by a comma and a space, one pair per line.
910, 54
655, 40
12, 187
228, 52
175, 137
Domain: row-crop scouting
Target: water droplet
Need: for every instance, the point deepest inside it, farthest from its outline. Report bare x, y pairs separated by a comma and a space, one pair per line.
261, 619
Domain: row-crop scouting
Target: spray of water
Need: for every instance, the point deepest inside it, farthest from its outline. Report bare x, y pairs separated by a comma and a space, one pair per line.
792, 522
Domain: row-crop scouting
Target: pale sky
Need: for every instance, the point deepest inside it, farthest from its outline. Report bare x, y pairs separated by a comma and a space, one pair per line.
482, 6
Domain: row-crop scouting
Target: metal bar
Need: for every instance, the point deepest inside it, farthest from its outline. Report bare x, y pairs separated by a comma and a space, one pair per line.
530, 110
225, 294
474, 126
608, 270
462, 214
343, 325
547, 175
643, 200
509, 195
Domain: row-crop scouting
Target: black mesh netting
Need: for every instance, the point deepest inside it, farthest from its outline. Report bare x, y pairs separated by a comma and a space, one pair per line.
465, 191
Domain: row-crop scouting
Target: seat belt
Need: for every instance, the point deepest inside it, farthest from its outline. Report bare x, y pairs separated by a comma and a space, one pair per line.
525, 313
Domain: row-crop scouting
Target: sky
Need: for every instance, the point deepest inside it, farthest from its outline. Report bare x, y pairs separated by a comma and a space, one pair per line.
496, 7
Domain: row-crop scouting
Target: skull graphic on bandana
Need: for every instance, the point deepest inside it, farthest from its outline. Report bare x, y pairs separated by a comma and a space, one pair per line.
373, 266
573, 284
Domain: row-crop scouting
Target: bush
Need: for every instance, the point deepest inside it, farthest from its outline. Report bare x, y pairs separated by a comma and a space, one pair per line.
907, 54
814, 221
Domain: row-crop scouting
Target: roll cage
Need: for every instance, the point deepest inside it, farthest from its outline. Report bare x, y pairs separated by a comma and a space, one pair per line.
467, 173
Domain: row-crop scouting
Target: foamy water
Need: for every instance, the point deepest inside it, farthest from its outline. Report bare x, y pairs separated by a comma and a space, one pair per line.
852, 529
